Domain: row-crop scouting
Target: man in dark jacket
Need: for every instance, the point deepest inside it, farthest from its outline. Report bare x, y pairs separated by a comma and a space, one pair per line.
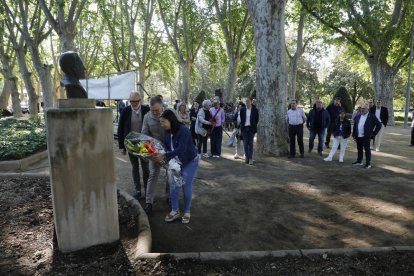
131, 120
249, 117
333, 110
381, 112
366, 125
317, 122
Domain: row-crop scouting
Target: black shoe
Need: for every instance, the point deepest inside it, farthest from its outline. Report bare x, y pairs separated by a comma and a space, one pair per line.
301, 155
148, 208
367, 166
319, 153
357, 163
137, 195
309, 150
291, 156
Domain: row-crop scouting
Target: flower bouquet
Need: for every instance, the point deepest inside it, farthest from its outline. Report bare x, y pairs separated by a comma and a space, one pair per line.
144, 146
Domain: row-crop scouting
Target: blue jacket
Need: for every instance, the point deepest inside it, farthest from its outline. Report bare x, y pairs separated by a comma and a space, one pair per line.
310, 122
371, 127
254, 118
124, 124
183, 145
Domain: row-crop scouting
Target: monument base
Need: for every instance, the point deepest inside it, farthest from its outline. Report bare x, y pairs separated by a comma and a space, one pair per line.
82, 173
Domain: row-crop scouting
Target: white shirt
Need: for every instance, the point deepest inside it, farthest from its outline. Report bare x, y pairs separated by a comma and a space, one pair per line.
248, 113
361, 124
378, 113
295, 116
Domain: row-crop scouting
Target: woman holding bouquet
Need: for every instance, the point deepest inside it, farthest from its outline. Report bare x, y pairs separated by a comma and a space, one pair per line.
178, 144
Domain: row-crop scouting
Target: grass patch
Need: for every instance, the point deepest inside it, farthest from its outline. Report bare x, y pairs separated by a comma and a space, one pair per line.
20, 138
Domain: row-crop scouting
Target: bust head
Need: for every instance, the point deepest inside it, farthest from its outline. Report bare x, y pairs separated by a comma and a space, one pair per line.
73, 69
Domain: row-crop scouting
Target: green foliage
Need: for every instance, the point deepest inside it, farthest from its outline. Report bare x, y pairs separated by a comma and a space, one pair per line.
346, 102
21, 138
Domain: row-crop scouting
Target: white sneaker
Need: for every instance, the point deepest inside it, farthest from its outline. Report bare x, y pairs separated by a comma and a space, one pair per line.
205, 155
216, 156
327, 159
341, 161
236, 156
376, 149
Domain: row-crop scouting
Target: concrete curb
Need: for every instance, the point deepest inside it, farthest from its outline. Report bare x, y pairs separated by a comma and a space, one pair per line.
18, 165
144, 241
230, 256
23, 174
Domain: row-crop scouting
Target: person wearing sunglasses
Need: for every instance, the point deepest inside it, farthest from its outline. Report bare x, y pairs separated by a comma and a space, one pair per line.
131, 119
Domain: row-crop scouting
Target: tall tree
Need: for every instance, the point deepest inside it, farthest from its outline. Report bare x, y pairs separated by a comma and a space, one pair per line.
64, 21
24, 13
18, 44
378, 29
269, 36
186, 23
7, 60
234, 20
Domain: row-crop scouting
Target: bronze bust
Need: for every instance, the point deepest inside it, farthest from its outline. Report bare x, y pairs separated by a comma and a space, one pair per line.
73, 70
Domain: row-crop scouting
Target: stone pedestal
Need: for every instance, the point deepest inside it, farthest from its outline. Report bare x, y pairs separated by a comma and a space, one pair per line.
82, 172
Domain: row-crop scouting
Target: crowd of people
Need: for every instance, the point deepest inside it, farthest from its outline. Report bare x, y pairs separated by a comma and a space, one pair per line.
369, 124
185, 133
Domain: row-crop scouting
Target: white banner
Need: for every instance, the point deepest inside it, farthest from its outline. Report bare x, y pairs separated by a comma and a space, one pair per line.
120, 87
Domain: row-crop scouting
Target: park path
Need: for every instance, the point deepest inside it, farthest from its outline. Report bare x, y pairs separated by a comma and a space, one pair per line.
281, 203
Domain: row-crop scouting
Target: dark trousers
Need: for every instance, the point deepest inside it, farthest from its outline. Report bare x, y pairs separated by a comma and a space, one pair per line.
135, 172
248, 138
216, 139
296, 130
412, 136
202, 142
329, 131
363, 144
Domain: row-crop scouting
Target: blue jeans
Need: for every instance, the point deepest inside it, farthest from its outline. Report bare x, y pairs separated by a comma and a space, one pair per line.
312, 135
216, 139
188, 172
248, 137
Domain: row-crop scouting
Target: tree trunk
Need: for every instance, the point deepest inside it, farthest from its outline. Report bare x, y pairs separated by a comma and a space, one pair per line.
185, 70
383, 81
293, 66
11, 82
43, 71
231, 77
292, 78
4, 96
269, 36
67, 40
141, 77
24, 71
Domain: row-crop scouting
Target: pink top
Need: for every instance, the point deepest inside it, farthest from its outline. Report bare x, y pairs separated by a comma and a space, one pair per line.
219, 119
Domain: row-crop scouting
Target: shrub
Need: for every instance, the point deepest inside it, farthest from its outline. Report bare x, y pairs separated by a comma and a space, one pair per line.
346, 102
21, 138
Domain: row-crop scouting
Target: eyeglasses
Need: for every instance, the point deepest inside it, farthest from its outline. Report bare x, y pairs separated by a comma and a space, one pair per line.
135, 101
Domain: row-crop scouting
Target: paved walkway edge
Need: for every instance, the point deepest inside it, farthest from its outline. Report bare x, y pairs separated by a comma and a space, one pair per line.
229, 256
16, 165
23, 174
144, 241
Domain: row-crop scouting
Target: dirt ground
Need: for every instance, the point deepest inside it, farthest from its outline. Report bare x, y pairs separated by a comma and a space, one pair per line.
277, 203
281, 203
28, 247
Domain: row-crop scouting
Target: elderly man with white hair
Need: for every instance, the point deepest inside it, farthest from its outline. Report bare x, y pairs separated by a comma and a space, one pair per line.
203, 127
131, 119
365, 125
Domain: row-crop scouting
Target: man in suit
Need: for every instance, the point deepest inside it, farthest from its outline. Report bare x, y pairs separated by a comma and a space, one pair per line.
131, 119
381, 112
249, 117
365, 125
